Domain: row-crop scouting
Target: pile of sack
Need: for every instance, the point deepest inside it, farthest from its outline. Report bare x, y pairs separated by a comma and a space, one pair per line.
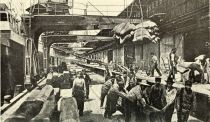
145, 30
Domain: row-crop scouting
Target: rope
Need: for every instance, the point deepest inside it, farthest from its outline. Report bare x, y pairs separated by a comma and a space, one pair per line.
131, 11
100, 12
142, 16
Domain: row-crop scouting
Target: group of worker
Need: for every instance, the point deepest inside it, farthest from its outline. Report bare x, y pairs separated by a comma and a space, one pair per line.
200, 65
133, 97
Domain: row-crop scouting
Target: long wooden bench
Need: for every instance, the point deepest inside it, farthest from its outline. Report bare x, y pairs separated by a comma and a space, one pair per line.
32, 106
48, 111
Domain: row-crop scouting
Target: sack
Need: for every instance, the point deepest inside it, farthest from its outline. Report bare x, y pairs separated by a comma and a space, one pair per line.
123, 28
140, 34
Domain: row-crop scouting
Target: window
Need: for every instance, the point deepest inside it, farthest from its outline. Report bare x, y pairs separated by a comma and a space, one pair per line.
3, 17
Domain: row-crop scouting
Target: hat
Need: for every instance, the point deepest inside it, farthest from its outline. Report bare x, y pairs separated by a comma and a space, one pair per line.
139, 80
170, 79
120, 83
157, 78
144, 82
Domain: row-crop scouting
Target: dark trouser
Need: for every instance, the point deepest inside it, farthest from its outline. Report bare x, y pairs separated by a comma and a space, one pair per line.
155, 67
127, 110
80, 98
169, 112
182, 116
80, 105
172, 72
103, 95
110, 107
87, 91
134, 112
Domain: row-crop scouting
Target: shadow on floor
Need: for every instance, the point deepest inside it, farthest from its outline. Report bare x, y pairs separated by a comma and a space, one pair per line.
92, 117
88, 100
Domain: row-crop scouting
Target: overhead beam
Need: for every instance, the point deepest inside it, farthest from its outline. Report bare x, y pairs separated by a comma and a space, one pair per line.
72, 22
75, 38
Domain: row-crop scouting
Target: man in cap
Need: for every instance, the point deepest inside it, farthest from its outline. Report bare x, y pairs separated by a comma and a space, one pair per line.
113, 95
105, 88
157, 94
185, 102
87, 82
134, 103
173, 62
170, 95
145, 90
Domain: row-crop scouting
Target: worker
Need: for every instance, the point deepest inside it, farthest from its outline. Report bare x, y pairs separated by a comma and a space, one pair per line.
131, 83
79, 92
173, 58
105, 88
170, 95
87, 82
131, 80
154, 65
113, 95
134, 104
107, 73
185, 102
157, 94
145, 90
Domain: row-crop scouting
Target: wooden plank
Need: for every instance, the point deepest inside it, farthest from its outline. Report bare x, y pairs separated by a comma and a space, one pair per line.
69, 111
26, 111
45, 93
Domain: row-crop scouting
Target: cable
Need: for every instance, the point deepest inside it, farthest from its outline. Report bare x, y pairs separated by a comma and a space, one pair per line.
100, 11
142, 16
131, 11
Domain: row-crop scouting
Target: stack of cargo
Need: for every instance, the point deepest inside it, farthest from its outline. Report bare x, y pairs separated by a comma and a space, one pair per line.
124, 31
146, 30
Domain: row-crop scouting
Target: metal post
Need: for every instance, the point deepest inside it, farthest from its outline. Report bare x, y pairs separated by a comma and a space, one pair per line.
28, 62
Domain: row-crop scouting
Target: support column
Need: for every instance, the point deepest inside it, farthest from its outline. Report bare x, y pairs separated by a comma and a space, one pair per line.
46, 57
28, 64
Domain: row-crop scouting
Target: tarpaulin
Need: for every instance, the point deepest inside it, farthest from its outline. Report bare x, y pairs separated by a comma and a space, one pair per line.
123, 28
